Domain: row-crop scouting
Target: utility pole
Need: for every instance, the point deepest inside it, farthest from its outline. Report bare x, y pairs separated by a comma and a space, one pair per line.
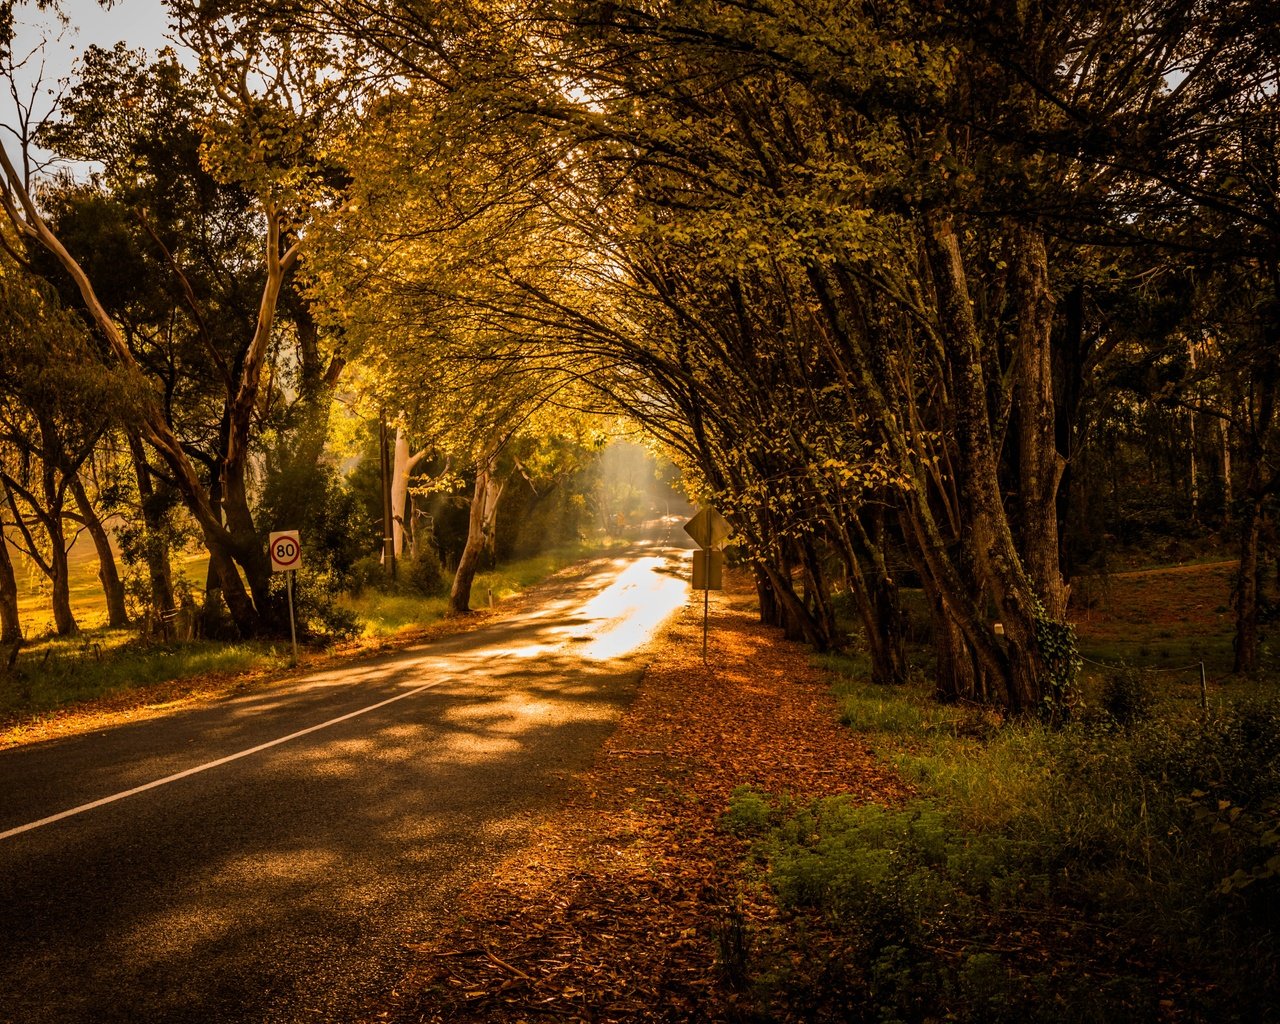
388, 535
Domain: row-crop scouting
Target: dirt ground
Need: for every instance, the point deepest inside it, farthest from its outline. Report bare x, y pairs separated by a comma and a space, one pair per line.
630, 905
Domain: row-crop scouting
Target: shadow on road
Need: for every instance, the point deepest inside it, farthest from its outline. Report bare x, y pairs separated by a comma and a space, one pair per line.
285, 885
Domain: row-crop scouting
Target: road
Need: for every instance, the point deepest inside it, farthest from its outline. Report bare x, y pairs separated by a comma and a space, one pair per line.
269, 857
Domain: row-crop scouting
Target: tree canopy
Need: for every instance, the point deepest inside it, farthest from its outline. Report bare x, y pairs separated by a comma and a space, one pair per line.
883, 278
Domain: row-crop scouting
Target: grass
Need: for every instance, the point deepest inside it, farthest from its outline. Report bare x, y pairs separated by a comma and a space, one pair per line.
383, 614
100, 664
1162, 618
1111, 869
87, 601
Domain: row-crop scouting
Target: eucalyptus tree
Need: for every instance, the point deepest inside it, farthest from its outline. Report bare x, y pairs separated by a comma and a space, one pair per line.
55, 408
257, 119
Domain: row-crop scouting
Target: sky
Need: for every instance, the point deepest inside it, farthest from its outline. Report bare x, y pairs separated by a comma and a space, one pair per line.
141, 23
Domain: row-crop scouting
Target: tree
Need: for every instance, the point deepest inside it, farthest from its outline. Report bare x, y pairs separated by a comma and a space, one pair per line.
260, 141
835, 256
55, 413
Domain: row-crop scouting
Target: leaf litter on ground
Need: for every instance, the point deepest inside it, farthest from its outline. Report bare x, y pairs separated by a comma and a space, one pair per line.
632, 903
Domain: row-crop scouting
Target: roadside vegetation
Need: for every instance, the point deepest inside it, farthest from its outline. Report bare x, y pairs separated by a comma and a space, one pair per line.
1122, 866
952, 314
345, 594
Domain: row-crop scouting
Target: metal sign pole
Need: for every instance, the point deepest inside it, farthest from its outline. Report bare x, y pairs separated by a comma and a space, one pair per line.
706, 607
708, 529
293, 630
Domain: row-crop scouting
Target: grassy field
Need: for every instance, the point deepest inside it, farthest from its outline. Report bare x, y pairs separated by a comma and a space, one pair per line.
1158, 618
87, 601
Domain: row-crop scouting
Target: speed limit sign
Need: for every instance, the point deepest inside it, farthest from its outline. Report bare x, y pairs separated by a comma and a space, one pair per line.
286, 550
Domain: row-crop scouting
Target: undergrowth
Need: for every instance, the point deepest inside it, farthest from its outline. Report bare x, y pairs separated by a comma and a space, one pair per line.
1111, 870
381, 611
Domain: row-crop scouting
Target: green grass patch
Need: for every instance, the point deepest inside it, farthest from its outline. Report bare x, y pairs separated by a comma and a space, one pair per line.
877, 709
382, 613
1163, 650
1113, 869
103, 663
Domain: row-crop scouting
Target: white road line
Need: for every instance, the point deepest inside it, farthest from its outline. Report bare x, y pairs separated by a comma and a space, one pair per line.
211, 764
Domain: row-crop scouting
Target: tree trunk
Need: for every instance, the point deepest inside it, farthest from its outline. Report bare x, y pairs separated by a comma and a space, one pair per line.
154, 545
875, 597
1069, 359
400, 469
796, 621
244, 548
112, 586
1039, 464
10, 622
817, 598
1258, 409
1224, 431
770, 610
958, 673
1247, 659
64, 620
484, 508
890, 666
1023, 672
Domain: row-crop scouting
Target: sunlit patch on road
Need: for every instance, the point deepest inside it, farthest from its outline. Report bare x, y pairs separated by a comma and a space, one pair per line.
611, 624
628, 612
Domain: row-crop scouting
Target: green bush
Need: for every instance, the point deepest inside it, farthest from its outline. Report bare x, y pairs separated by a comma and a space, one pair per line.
1127, 695
317, 614
749, 813
424, 574
366, 572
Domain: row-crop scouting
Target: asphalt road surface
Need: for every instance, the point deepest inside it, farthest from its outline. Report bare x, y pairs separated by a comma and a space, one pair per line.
268, 858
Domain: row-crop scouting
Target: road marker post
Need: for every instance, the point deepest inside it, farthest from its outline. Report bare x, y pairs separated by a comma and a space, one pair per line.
285, 547
709, 530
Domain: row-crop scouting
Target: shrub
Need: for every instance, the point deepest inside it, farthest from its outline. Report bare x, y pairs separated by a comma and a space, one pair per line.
748, 814
316, 613
1127, 695
1153, 847
366, 572
424, 574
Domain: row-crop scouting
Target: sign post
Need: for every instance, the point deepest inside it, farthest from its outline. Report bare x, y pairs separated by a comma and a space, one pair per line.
709, 530
285, 547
